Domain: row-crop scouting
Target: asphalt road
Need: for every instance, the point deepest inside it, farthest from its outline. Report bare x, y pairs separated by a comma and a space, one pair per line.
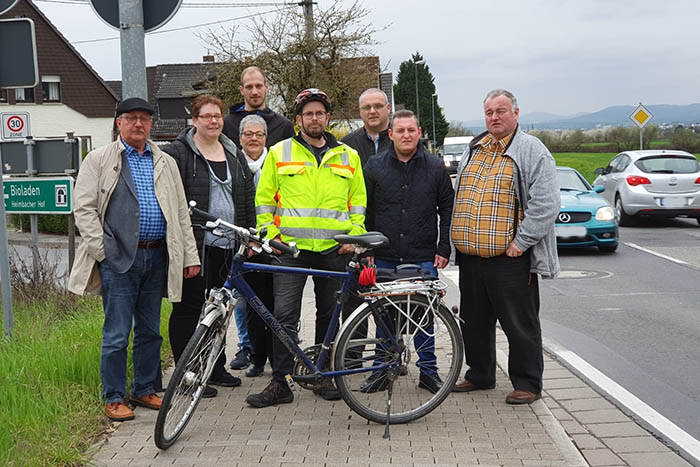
635, 316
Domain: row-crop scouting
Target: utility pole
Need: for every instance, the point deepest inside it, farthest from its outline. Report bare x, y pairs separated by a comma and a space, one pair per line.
308, 6
309, 16
133, 50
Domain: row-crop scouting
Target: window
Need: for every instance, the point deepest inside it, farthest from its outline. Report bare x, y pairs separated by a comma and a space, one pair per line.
51, 86
3, 96
24, 95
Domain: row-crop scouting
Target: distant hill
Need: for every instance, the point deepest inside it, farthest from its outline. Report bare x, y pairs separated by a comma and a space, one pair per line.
615, 115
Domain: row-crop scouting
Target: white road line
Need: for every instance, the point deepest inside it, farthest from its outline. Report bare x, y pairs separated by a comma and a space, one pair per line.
451, 274
661, 424
656, 253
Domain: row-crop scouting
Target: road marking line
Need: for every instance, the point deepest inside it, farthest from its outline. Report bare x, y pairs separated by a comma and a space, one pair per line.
451, 274
656, 253
661, 424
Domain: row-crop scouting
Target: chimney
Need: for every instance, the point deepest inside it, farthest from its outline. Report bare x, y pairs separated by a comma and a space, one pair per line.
208, 59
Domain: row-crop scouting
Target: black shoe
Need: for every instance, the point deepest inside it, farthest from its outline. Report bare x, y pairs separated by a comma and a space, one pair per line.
377, 381
254, 370
432, 383
225, 379
242, 360
275, 393
209, 392
328, 391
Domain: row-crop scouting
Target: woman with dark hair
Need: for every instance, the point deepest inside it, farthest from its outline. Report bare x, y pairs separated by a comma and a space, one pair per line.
215, 175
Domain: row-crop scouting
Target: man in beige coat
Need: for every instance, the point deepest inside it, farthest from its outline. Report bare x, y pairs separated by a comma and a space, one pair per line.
137, 245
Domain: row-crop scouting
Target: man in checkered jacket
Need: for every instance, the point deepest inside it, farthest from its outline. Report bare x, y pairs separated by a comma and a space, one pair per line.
506, 202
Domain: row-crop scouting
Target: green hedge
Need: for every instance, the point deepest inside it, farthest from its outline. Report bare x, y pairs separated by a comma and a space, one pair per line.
46, 223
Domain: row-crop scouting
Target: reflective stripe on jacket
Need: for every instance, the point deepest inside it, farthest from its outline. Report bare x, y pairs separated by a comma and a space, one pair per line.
309, 203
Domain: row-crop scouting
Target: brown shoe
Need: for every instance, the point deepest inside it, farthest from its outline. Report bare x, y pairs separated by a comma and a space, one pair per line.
118, 412
152, 401
467, 386
521, 397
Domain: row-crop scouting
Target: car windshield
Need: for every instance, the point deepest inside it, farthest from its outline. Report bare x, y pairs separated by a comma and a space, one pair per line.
454, 148
570, 181
668, 164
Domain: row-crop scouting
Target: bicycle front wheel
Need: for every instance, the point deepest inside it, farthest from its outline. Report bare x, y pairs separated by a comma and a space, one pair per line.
187, 383
420, 340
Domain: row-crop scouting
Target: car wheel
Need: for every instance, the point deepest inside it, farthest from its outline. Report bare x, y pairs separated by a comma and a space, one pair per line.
623, 218
608, 248
698, 219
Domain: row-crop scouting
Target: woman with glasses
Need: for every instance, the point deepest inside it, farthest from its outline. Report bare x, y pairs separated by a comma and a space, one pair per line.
215, 175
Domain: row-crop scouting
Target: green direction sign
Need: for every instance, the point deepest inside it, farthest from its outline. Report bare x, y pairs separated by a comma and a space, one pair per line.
38, 195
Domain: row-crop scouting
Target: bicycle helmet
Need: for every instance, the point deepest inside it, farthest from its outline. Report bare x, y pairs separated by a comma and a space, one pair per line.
310, 95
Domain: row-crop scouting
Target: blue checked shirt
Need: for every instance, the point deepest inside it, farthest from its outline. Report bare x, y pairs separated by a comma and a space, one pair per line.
152, 225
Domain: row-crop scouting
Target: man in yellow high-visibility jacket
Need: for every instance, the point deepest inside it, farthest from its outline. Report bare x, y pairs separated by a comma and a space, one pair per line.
311, 188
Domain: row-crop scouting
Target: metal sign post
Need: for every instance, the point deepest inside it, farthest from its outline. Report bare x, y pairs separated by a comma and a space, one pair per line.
9, 321
640, 116
133, 18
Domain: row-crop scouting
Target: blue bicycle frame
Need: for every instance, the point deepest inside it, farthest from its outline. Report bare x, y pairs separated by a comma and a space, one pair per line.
235, 281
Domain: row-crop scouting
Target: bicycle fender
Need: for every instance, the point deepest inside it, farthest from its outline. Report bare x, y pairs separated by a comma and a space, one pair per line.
342, 328
211, 316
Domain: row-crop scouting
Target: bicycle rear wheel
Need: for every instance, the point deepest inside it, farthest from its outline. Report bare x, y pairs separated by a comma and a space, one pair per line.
429, 342
187, 383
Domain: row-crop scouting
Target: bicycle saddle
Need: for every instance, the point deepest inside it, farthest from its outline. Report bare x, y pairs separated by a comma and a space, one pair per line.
366, 240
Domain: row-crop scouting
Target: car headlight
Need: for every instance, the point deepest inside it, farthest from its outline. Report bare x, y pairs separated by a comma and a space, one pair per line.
606, 213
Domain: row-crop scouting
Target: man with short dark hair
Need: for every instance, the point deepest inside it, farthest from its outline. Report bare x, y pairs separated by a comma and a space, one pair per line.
373, 137
409, 195
254, 89
506, 202
137, 244
311, 188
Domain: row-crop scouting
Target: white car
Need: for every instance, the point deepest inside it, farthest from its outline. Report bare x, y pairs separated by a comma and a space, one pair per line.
653, 183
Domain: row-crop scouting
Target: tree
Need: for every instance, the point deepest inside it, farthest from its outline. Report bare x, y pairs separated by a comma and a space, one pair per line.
684, 139
457, 128
623, 138
405, 93
333, 59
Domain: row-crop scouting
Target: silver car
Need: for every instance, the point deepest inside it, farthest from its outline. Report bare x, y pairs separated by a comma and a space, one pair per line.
654, 183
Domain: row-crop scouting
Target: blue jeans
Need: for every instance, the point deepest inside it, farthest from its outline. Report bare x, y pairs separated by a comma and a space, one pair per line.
132, 297
427, 361
240, 315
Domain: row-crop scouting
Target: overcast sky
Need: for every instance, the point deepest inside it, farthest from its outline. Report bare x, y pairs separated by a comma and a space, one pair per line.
557, 56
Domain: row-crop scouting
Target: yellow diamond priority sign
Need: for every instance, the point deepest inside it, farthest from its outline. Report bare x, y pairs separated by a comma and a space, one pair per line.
640, 116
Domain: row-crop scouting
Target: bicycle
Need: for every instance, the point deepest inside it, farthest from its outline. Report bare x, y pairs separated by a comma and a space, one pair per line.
376, 341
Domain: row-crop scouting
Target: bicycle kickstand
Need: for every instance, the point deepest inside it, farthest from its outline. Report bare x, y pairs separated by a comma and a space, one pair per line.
388, 408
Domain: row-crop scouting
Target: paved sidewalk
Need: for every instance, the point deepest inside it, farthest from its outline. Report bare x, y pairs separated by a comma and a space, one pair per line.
572, 425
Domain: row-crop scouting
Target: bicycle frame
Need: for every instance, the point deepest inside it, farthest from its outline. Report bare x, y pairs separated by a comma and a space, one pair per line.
236, 281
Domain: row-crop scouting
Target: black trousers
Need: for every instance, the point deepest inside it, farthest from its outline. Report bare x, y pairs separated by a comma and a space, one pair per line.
501, 288
288, 293
185, 316
260, 335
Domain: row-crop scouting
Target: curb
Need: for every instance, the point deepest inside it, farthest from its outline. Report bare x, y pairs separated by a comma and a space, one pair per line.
554, 429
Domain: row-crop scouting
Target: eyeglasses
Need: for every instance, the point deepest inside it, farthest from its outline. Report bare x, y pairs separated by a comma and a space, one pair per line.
251, 134
210, 117
309, 115
377, 107
132, 119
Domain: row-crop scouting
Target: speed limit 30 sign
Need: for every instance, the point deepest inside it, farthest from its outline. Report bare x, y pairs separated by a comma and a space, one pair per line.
15, 125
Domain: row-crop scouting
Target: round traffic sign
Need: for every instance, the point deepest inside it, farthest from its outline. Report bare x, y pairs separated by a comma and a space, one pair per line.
155, 12
15, 123
5, 5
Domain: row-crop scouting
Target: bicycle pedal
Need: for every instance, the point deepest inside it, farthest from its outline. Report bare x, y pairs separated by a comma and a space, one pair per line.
290, 382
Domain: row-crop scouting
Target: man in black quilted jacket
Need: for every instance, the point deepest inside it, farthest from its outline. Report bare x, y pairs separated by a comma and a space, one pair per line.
409, 199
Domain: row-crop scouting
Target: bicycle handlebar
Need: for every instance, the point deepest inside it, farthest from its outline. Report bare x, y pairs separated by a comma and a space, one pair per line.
246, 235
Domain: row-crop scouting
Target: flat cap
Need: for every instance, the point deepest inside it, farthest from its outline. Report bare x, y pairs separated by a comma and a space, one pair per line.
133, 103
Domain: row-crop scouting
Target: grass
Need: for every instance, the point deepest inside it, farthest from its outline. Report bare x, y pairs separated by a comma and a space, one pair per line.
50, 404
584, 162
